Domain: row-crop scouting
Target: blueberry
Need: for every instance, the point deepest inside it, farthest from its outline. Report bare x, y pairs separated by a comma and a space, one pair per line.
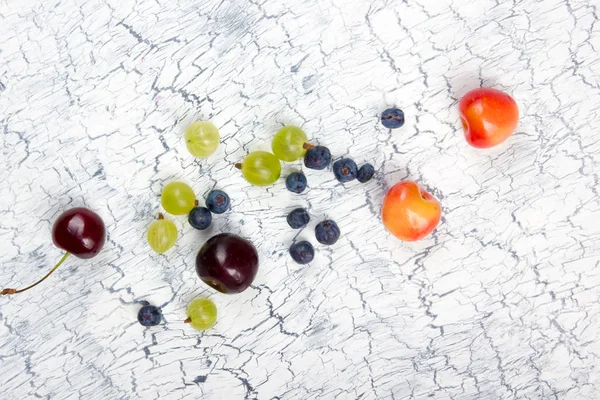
318, 157
365, 173
327, 232
298, 218
200, 218
302, 252
345, 170
149, 316
296, 182
392, 118
217, 202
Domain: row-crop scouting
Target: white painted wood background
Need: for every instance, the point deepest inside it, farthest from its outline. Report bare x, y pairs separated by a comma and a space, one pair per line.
501, 302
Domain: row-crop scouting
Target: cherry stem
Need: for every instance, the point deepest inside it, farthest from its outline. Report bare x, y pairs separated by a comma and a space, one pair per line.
238, 165
187, 321
13, 291
307, 146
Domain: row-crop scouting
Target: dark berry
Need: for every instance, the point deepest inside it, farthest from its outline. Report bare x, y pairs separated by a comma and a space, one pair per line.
296, 182
392, 118
200, 218
227, 263
317, 157
217, 202
327, 232
345, 170
298, 218
149, 316
302, 252
365, 173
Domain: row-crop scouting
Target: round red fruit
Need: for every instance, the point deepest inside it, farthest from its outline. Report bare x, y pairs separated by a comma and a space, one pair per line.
488, 116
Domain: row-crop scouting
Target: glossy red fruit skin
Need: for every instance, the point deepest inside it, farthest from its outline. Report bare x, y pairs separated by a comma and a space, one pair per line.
79, 231
488, 116
227, 263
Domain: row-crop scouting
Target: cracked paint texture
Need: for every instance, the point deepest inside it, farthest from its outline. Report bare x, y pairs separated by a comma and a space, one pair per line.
501, 302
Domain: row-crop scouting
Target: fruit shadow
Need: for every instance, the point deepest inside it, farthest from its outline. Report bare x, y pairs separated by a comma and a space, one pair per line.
471, 80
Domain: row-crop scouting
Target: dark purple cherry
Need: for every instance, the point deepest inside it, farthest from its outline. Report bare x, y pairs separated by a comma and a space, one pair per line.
227, 263
78, 231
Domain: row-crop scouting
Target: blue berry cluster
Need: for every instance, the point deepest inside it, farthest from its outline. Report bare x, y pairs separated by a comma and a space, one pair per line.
319, 158
345, 170
301, 252
327, 232
217, 202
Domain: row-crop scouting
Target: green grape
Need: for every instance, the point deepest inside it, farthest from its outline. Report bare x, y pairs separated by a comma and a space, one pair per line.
202, 314
162, 235
288, 143
202, 138
260, 168
177, 198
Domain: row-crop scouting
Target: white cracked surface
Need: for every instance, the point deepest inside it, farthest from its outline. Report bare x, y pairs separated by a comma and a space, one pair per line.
501, 302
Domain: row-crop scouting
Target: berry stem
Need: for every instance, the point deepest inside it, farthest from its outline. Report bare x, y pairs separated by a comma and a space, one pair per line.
187, 321
161, 216
196, 203
238, 165
13, 291
307, 146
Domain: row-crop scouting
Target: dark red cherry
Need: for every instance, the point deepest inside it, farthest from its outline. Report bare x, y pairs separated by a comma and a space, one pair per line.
227, 263
79, 231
